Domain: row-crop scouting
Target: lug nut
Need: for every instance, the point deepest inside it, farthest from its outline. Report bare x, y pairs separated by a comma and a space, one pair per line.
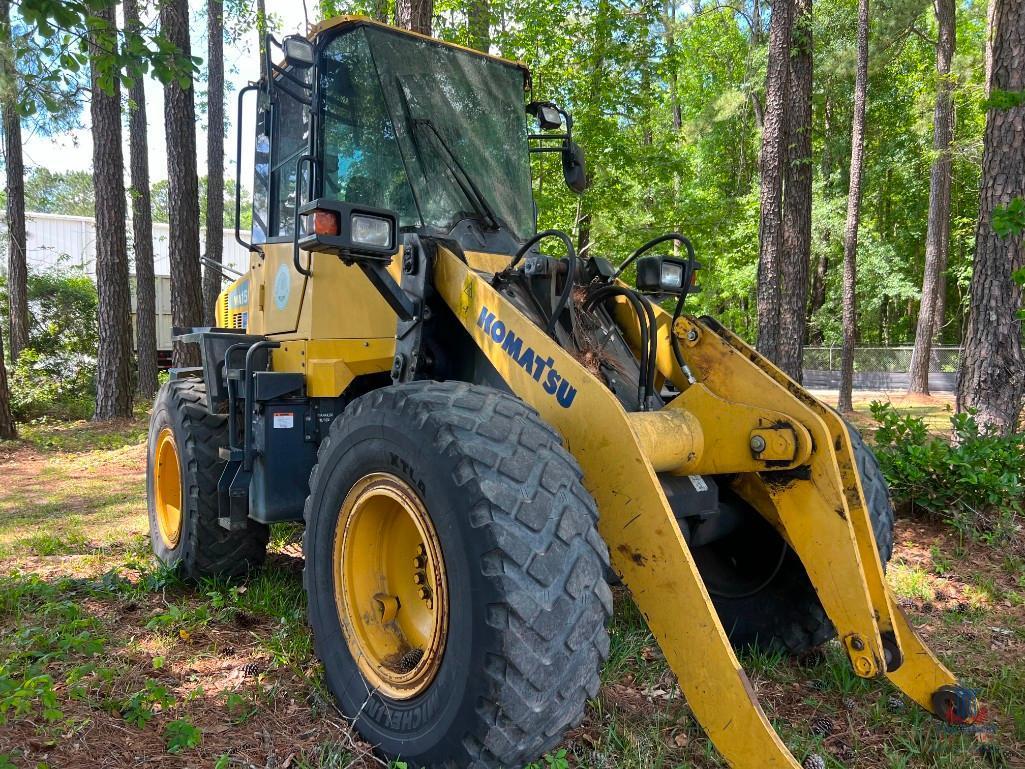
425, 594
419, 578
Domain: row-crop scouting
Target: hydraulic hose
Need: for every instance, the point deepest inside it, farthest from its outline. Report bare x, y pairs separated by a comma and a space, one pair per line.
571, 271
682, 239
645, 320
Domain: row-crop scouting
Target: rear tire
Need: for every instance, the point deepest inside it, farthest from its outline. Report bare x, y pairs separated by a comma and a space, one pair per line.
522, 561
786, 613
202, 548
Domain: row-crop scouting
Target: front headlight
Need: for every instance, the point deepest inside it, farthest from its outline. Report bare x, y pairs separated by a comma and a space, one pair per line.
661, 275
371, 231
672, 276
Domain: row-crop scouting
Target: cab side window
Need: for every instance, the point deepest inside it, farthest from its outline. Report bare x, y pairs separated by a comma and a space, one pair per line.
282, 137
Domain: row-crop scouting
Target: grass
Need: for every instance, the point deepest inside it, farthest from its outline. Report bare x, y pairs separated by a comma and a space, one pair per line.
101, 646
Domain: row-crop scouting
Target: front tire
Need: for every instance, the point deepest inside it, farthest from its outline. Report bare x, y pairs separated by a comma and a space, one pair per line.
760, 589
182, 470
475, 475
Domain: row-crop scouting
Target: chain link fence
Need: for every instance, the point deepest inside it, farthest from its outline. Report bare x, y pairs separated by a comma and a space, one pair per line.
888, 360
880, 368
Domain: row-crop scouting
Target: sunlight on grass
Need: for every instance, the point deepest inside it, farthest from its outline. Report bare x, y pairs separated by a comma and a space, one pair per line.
911, 582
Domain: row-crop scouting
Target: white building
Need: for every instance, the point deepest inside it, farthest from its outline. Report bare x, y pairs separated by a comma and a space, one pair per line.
69, 242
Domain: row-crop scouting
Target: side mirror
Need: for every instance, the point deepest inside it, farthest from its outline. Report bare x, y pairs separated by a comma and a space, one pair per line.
299, 52
549, 117
573, 167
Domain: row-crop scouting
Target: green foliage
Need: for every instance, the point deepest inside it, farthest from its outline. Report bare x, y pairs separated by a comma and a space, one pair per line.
554, 760
1009, 219
182, 735
140, 707
975, 481
999, 99
60, 386
55, 376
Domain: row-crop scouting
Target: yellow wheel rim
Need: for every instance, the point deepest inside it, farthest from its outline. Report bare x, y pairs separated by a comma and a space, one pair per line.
390, 585
167, 486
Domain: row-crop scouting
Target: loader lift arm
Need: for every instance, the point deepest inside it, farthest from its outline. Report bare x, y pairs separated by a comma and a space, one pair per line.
820, 509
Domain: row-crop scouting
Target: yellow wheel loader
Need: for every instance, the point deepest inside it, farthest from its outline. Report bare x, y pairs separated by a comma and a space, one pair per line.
474, 422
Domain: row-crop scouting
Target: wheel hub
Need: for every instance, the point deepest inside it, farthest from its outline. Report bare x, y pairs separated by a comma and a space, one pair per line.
390, 585
167, 486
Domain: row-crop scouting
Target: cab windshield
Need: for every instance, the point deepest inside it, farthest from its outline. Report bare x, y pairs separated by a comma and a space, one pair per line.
436, 134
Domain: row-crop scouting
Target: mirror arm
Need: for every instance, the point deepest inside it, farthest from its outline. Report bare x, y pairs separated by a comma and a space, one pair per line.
289, 76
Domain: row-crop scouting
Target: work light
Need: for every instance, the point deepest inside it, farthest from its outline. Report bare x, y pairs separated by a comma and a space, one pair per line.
350, 231
662, 275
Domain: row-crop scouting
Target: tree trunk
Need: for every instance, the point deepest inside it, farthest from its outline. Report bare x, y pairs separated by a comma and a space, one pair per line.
797, 196
8, 430
850, 241
214, 158
379, 11
183, 187
818, 296
261, 39
771, 161
992, 376
17, 267
114, 357
142, 227
937, 237
478, 24
991, 8
415, 15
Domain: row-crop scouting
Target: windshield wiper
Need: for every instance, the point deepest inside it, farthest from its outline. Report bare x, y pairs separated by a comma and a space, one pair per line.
463, 179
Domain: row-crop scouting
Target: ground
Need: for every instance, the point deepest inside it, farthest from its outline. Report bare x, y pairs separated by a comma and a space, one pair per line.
109, 660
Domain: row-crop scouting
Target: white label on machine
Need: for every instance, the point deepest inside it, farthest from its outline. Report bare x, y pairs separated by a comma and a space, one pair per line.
284, 420
696, 480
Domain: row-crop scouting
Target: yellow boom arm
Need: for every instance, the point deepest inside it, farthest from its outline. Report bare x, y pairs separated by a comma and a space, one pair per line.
741, 415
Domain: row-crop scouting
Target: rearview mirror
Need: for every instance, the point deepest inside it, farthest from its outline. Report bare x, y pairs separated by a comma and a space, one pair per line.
573, 168
299, 51
548, 115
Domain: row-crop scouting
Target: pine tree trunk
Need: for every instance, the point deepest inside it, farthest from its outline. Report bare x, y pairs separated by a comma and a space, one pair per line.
142, 227
478, 24
114, 356
415, 15
8, 430
379, 11
850, 242
797, 196
261, 35
17, 267
183, 187
937, 237
818, 296
214, 158
771, 162
992, 376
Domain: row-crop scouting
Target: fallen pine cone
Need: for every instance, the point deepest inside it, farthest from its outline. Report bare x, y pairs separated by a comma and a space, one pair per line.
814, 761
821, 726
895, 703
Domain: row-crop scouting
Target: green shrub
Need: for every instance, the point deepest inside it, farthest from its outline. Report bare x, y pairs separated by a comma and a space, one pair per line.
975, 481
57, 386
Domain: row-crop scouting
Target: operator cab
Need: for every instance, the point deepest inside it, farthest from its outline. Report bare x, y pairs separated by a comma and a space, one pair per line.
430, 135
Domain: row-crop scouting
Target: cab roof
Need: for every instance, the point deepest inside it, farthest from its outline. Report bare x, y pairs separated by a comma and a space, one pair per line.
347, 21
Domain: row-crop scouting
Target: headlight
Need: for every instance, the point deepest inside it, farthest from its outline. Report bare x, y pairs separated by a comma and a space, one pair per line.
672, 276
661, 275
371, 230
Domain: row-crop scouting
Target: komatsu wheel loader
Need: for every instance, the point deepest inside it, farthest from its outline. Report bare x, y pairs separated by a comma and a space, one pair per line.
474, 422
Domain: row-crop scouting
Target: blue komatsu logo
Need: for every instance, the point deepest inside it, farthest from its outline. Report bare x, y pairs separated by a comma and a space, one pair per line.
524, 356
239, 296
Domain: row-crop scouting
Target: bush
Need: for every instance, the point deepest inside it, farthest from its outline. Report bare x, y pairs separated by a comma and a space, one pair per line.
55, 377
975, 482
58, 386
